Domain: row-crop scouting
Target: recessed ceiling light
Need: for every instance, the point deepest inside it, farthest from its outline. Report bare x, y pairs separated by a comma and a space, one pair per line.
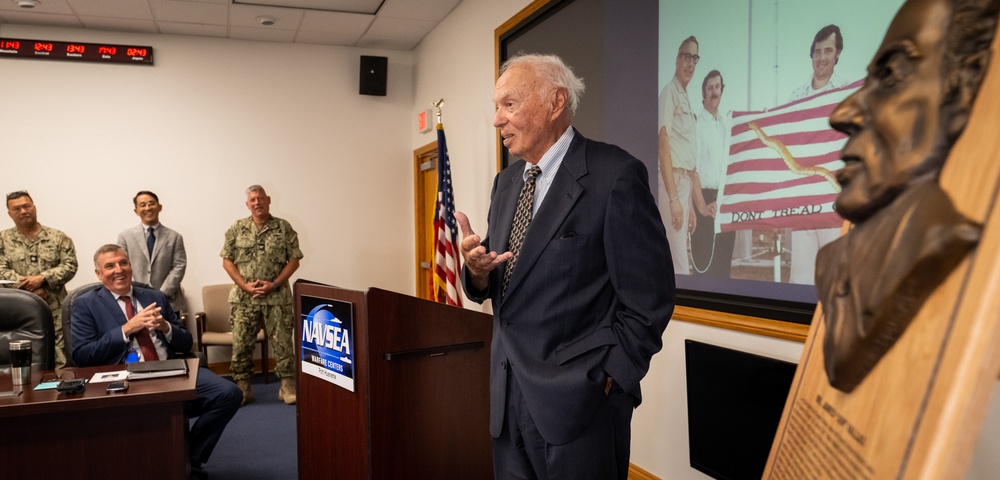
27, 3
266, 21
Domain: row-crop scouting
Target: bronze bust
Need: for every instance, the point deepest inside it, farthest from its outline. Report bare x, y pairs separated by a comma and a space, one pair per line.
907, 236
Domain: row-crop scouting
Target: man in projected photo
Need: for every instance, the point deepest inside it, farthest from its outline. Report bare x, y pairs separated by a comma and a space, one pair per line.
676, 154
711, 253
907, 236
825, 53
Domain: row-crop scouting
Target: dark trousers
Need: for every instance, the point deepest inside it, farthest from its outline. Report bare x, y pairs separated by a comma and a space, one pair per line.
601, 453
714, 254
216, 401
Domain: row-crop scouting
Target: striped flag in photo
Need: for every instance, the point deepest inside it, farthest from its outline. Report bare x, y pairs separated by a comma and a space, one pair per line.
782, 164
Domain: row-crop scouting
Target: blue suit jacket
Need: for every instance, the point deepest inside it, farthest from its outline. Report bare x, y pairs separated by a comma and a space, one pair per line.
96, 325
591, 294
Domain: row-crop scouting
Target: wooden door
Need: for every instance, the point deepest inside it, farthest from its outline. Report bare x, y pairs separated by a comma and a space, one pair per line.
424, 203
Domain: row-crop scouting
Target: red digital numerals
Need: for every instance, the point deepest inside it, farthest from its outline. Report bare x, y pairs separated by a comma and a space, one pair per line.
76, 51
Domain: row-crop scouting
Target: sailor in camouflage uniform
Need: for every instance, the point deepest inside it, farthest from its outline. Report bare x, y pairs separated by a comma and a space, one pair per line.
39, 259
260, 254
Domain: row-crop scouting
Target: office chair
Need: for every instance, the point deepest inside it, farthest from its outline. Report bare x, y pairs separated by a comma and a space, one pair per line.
214, 329
67, 321
25, 316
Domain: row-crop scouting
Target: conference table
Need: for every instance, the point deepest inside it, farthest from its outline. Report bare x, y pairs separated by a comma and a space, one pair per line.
138, 434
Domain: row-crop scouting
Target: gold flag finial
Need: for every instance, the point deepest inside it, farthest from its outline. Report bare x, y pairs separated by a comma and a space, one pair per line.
437, 105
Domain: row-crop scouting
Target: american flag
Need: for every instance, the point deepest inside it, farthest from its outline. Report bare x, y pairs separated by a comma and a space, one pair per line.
767, 190
446, 256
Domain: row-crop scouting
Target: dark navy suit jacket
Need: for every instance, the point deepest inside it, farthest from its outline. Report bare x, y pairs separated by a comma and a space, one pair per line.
97, 340
97, 321
591, 294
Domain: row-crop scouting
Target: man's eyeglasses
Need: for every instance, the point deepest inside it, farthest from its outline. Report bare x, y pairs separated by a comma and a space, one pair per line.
151, 203
55, 377
687, 57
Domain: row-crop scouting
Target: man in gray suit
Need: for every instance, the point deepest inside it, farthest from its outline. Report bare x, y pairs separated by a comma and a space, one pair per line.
578, 269
157, 252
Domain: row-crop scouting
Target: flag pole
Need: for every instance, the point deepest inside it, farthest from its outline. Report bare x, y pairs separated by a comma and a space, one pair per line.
438, 105
447, 259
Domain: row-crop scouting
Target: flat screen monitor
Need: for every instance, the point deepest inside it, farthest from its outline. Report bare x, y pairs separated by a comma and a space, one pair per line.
735, 400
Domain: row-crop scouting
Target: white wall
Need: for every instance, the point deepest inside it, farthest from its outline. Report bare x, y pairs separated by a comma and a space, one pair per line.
456, 62
212, 117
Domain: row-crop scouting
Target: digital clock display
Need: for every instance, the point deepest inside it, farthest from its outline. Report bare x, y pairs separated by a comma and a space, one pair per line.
84, 52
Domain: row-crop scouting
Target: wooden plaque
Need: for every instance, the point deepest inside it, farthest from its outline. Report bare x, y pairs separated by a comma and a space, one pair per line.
918, 413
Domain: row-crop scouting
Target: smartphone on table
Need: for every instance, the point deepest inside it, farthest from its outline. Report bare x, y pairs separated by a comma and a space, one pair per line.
118, 387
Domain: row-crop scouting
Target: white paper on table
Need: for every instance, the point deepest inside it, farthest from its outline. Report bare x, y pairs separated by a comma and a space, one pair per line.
104, 377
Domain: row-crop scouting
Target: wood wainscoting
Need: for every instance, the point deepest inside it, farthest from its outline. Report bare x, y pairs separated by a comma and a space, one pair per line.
636, 473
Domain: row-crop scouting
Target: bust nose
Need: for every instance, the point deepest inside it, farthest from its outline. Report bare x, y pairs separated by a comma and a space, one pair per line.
848, 116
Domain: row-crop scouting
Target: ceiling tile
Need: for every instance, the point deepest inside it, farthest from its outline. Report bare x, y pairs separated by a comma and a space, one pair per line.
349, 23
111, 8
347, 6
188, 12
46, 7
400, 28
434, 10
389, 24
262, 34
119, 24
41, 19
172, 28
246, 16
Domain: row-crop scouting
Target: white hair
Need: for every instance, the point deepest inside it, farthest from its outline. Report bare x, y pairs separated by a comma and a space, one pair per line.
554, 71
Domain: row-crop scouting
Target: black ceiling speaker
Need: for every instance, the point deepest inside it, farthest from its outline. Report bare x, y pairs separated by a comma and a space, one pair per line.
373, 74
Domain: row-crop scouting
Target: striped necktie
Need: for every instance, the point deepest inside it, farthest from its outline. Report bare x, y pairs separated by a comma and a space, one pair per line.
522, 218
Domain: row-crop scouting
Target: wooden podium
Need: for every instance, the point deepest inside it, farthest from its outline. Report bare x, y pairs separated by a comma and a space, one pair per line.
420, 405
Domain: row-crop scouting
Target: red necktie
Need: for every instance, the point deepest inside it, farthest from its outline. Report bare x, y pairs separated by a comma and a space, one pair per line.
145, 343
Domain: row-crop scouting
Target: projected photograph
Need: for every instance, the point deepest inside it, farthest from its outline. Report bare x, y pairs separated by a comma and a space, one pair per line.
726, 102
746, 156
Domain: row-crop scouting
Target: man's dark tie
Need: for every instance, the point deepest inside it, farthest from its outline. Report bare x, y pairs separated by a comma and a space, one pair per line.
145, 343
150, 241
522, 217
